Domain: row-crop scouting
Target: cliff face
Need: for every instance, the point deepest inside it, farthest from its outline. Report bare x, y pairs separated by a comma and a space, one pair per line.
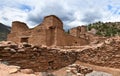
4, 30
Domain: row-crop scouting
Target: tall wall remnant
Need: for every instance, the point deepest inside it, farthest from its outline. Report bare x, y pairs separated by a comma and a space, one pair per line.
50, 33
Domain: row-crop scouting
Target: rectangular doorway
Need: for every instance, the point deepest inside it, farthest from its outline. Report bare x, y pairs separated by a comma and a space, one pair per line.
24, 39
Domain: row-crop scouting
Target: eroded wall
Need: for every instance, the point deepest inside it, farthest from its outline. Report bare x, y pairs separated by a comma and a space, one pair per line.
18, 28
38, 37
64, 39
50, 33
50, 21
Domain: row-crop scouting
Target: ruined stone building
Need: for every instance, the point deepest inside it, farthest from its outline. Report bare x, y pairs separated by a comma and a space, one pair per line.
50, 33
79, 31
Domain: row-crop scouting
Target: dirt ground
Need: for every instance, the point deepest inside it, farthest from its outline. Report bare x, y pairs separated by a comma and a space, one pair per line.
109, 71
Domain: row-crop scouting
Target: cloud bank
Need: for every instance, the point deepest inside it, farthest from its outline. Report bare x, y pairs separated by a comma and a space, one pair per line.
71, 12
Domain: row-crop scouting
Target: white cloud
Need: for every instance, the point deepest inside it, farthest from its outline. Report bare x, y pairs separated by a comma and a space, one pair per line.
72, 12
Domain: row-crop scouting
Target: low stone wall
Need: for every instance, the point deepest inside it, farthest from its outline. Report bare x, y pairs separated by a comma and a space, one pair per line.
105, 54
38, 59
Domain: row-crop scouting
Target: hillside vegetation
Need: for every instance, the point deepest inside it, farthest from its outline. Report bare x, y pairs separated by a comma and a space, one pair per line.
106, 29
4, 30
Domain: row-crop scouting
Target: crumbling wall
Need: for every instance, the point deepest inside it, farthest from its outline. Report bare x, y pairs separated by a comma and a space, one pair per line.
42, 36
36, 58
50, 38
58, 23
13, 37
19, 27
83, 29
105, 54
38, 37
75, 41
60, 39
64, 39
50, 32
78, 31
44, 33
74, 32
52, 20
16, 32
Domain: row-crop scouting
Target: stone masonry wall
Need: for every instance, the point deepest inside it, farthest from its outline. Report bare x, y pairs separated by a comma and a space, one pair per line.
50, 32
38, 37
52, 21
75, 41
60, 38
105, 54
38, 59
78, 31
74, 32
64, 39
19, 27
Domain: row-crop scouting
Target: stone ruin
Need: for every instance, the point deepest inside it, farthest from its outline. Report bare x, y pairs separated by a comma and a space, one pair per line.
40, 59
47, 59
49, 33
78, 31
78, 70
27, 50
90, 36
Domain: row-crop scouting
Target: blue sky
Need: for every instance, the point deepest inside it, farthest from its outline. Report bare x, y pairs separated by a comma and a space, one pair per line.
72, 12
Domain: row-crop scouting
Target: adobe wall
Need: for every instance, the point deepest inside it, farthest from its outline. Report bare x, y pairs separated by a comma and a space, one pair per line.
50, 25
50, 33
13, 37
42, 36
74, 32
83, 29
38, 37
60, 39
52, 21
74, 41
78, 31
17, 30
63, 39
58, 23
19, 27
50, 38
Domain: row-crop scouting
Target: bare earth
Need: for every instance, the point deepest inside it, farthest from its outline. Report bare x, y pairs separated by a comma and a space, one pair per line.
13, 71
99, 71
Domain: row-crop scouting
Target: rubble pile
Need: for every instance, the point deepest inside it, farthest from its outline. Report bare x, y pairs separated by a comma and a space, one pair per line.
78, 70
33, 57
108, 54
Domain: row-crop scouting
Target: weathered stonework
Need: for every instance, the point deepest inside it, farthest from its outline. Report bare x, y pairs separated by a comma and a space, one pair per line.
34, 57
50, 33
105, 54
79, 31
